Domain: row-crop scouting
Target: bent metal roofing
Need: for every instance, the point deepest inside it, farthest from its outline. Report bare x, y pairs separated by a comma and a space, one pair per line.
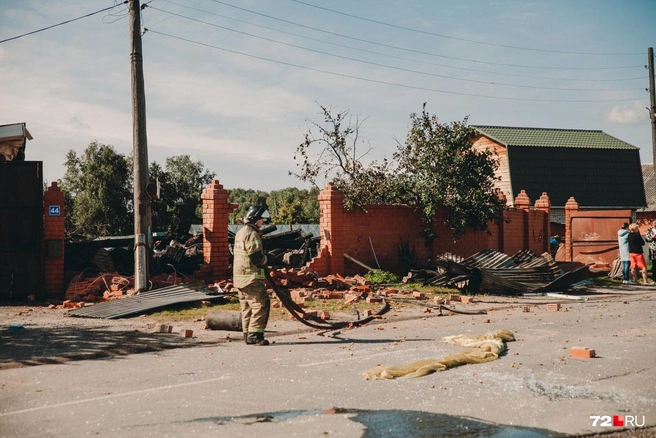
598, 170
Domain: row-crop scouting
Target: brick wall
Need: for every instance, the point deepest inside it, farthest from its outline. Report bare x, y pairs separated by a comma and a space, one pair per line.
382, 227
482, 143
387, 226
53, 241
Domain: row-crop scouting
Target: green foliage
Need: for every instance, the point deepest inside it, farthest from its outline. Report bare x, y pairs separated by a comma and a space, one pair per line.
436, 168
407, 257
245, 198
335, 155
378, 276
439, 168
98, 192
286, 206
181, 184
294, 206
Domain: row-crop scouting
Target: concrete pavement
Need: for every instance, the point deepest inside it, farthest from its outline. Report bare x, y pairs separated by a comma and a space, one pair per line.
311, 384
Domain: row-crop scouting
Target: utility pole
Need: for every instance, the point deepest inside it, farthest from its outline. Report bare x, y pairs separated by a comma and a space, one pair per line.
142, 231
652, 102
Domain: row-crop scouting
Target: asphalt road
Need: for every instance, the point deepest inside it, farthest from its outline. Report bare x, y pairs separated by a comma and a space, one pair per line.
310, 384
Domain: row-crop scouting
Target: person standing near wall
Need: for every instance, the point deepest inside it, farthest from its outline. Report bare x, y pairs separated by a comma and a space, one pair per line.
623, 242
650, 237
636, 253
248, 276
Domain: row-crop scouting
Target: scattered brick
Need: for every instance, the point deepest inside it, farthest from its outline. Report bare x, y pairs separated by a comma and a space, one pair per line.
308, 314
553, 307
165, 328
466, 300
324, 315
372, 299
454, 297
526, 309
418, 295
187, 333
582, 352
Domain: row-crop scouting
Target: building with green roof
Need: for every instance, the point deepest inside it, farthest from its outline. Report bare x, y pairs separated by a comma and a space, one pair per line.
597, 169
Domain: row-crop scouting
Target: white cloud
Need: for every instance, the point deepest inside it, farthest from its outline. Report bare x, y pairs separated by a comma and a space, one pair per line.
628, 115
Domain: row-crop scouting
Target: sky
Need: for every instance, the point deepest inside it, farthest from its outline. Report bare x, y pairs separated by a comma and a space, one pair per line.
236, 84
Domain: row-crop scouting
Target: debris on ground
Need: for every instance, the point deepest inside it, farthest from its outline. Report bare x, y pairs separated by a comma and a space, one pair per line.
493, 272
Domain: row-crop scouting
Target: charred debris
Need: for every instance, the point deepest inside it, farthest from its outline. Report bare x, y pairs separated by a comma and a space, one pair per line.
182, 255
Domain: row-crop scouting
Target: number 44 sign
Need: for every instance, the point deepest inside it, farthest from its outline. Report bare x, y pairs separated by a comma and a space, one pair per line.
618, 420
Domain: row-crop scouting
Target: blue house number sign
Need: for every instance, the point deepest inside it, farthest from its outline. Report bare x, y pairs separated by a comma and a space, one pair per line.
54, 210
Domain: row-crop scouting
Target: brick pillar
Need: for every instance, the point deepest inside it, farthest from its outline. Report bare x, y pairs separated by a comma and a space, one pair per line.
544, 204
216, 209
53, 242
331, 203
570, 207
522, 201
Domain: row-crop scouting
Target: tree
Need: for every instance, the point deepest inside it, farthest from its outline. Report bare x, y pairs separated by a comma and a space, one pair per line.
438, 168
335, 155
181, 184
294, 206
98, 190
245, 198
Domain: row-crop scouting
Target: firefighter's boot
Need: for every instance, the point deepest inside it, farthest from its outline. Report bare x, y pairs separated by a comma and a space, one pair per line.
256, 339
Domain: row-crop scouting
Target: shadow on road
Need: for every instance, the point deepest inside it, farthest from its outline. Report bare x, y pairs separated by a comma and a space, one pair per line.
50, 345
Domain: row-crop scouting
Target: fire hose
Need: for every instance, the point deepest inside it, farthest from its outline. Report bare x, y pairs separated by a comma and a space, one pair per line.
315, 321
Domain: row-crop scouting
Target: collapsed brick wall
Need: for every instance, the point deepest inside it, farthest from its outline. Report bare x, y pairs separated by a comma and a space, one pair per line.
348, 232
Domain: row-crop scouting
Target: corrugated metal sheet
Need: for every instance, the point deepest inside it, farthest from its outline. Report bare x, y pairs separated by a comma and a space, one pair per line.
490, 271
490, 259
148, 300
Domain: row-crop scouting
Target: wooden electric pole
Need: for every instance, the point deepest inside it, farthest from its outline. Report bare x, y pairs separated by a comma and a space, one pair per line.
142, 232
652, 103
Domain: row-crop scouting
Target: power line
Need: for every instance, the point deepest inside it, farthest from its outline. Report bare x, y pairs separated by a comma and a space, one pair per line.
390, 66
422, 52
456, 38
390, 55
382, 82
59, 24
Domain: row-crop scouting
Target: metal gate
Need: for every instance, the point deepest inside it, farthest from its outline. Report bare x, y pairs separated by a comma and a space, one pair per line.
21, 230
594, 235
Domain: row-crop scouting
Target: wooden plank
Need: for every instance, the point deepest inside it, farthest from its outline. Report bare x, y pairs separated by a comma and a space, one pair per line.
358, 262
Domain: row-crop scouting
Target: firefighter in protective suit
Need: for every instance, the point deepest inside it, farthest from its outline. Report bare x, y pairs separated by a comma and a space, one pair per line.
248, 276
